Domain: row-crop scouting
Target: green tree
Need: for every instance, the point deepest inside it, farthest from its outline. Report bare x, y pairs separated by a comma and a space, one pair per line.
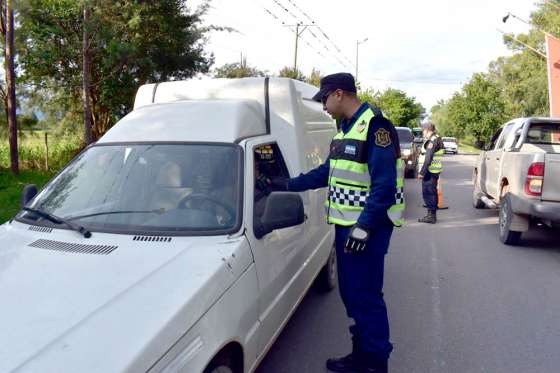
238, 70
315, 78
130, 43
479, 109
402, 110
440, 116
289, 72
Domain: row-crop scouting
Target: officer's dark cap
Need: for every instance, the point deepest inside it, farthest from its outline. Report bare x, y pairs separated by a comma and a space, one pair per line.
331, 83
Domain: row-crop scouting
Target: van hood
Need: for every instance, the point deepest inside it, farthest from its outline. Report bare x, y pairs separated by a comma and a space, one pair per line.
63, 305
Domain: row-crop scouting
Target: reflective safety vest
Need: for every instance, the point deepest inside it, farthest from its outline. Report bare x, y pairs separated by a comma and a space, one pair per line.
436, 166
349, 179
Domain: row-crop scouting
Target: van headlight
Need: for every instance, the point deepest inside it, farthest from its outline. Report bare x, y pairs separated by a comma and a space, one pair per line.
406, 152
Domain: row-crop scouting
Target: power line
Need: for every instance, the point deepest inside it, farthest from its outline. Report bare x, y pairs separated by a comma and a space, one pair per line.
272, 14
282, 6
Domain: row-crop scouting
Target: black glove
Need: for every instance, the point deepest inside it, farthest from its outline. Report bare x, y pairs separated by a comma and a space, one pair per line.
262, 185
357, 239
279, 184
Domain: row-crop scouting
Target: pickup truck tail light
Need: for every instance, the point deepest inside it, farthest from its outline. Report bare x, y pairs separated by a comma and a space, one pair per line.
534, 182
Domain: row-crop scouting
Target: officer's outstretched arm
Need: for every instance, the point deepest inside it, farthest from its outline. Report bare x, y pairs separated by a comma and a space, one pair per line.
314, 179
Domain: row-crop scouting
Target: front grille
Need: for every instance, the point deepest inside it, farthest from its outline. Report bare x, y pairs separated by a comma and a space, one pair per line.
40, 229
73, 247
151, 238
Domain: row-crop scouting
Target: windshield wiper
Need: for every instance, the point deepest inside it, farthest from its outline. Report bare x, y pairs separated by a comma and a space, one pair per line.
156, 211
55, 219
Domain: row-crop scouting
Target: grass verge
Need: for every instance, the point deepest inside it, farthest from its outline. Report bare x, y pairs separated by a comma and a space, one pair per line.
11, 187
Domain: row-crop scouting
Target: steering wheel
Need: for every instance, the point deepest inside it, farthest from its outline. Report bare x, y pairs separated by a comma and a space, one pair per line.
204, 197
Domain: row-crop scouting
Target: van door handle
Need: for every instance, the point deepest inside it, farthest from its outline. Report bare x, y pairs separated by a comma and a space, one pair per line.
498, 158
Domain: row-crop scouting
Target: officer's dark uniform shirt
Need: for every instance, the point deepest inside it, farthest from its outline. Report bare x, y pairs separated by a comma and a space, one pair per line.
381, 166
430, 151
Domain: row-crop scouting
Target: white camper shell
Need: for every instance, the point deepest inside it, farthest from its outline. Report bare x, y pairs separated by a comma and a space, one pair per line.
157, 249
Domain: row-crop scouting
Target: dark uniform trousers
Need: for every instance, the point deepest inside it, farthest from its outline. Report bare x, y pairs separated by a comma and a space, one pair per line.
429, 190
360, 279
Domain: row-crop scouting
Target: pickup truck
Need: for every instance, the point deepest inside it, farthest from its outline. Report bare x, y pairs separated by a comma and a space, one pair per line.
157, 249
519, 173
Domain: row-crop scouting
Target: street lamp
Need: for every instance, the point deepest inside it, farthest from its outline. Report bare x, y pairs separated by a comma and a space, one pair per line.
358, 42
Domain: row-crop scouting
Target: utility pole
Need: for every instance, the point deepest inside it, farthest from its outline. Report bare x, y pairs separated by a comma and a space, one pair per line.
298, 34
358, 42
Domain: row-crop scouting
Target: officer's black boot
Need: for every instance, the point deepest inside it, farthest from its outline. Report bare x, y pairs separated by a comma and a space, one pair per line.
345, 364
430, 218
375, 368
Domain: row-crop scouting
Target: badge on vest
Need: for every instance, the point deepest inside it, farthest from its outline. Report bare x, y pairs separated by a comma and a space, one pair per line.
382, 137
350, 149
361, 126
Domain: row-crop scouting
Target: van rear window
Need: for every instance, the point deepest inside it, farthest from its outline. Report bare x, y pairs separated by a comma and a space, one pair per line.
544, 133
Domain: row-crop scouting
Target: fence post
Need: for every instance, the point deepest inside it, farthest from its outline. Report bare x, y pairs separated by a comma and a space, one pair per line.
46, 152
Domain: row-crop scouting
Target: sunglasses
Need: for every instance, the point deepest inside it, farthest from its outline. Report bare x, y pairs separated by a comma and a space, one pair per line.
326, 97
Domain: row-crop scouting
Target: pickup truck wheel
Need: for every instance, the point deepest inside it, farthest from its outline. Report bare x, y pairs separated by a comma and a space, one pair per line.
477, 202
507, 236
328, 278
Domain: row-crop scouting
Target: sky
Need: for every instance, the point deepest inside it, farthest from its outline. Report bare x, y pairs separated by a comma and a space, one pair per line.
428, 49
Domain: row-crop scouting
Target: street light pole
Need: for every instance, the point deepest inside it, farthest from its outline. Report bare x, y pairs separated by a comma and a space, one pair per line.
358, 42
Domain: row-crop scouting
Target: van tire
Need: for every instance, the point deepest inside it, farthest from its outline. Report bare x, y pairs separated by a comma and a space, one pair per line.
223, 363
507, 236
328, 277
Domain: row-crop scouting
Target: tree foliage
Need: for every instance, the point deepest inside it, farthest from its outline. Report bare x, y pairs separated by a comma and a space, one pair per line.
402, 110
132, 43
290, 72
514, 86
238, 70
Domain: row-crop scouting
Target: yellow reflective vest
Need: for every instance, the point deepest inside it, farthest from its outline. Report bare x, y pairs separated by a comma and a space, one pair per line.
349, 179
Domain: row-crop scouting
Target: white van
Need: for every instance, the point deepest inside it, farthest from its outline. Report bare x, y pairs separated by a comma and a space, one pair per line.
157, 250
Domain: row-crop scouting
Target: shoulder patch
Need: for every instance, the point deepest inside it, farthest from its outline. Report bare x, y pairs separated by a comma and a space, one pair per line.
382, 138
361, 126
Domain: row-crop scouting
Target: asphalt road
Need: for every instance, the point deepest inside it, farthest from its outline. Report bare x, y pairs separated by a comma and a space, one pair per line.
458, 300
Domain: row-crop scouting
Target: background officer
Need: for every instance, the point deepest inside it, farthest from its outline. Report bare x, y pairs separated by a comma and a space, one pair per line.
432, 154
363, 203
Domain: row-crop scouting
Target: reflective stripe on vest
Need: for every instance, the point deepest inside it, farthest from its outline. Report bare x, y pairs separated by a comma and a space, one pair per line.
436, 165
350, 181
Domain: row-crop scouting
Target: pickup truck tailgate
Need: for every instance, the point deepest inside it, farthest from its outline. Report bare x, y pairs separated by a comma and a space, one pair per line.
551, 185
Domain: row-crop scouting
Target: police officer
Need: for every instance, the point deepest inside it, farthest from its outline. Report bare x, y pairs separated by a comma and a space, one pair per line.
432, 154
365, 202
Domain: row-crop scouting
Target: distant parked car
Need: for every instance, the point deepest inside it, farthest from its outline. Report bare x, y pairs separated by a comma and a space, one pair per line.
450, 145
409, 152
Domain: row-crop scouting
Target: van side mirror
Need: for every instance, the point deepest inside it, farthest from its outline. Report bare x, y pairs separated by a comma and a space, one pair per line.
479, 144
282, 210
29, 192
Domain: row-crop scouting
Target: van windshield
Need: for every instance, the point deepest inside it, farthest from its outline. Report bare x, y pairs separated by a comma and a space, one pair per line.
147, 188
544, 133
